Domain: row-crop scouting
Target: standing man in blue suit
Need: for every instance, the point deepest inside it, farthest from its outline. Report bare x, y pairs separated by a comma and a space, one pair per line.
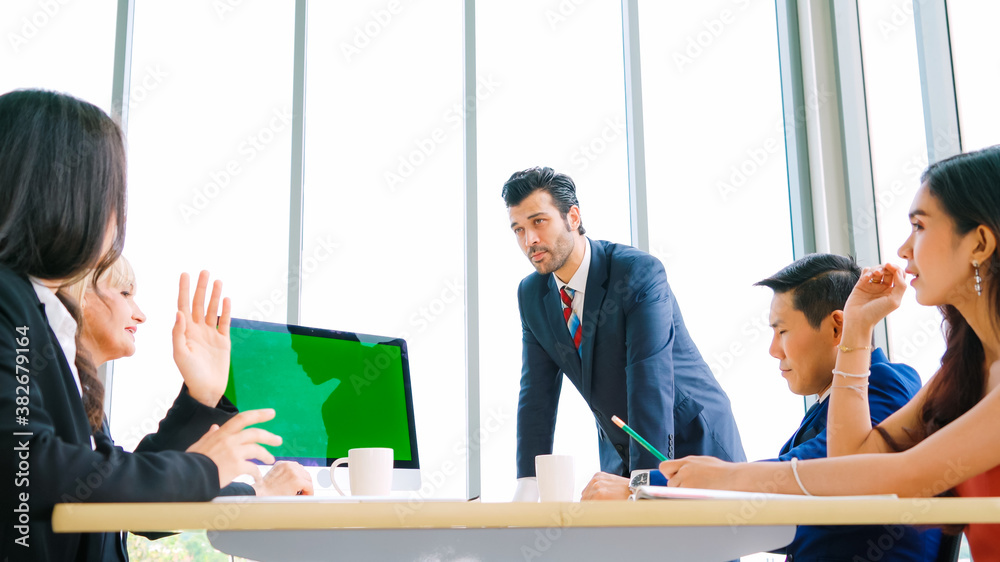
603, 315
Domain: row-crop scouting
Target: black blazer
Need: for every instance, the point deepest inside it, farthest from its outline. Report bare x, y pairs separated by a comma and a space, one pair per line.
49, 459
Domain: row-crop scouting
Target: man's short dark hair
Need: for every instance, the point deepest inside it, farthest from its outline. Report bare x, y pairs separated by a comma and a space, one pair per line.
559, 186
820, 284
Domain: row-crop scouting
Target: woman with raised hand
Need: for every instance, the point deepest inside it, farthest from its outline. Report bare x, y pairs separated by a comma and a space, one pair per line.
111, 318
62, 216
948, 436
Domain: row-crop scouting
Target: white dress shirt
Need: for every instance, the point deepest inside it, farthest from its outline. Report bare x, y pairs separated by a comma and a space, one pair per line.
63, 326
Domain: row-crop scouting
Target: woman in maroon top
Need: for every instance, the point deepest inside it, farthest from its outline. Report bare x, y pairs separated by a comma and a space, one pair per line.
948, 436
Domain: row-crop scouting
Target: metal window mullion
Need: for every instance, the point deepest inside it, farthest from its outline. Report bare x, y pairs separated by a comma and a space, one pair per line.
638, 208
123, 63
794, 116
937, 80
120, 88
856, 146
296, 203
473, 466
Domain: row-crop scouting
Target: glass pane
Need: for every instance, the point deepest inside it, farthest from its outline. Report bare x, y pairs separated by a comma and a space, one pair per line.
555, 100
899, 155
209, 160
975, 55
384, 195
62, 46
718, 193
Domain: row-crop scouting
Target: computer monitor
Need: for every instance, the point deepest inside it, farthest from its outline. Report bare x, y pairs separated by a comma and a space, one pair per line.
331, 391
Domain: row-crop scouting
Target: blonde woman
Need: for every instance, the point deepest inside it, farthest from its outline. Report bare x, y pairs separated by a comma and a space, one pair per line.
111, 318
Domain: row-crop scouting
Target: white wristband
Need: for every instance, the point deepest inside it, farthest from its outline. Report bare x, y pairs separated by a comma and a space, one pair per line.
795, 472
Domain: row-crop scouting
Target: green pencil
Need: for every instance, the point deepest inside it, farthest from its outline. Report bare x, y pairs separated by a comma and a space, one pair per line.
618, 421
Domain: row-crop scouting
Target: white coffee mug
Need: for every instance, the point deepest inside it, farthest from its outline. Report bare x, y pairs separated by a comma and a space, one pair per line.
369, 470
556, 477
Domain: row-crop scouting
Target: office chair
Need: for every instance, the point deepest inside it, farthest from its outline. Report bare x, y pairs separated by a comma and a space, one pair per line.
949, 548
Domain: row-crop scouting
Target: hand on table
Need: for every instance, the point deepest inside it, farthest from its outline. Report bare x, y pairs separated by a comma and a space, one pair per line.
286, 478
604, 486
699, 472
233, 445
201, 340
527, 490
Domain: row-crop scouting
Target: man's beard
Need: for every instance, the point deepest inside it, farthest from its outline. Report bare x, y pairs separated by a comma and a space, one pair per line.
559, 255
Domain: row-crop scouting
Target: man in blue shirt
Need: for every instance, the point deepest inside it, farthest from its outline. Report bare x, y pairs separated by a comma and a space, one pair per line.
807, 318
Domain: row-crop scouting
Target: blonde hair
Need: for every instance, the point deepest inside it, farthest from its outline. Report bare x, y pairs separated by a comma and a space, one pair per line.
119, 274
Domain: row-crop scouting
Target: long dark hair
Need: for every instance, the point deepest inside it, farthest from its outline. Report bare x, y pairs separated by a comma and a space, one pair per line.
62, 182
968, 188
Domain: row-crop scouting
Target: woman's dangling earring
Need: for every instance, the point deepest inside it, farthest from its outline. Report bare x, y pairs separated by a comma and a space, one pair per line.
979, 280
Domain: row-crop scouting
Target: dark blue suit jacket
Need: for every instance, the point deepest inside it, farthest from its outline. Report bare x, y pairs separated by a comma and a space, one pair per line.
638, 362
891, 385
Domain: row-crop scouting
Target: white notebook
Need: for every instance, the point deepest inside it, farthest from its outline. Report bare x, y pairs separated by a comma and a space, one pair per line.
665, 493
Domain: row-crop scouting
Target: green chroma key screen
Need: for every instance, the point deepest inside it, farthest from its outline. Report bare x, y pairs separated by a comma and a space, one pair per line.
331, 391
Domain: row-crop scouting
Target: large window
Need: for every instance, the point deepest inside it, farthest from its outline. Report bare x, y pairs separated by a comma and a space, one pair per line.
899, 155
975, 51
555, 100
62, 46
209, 139
383, 230
718, 193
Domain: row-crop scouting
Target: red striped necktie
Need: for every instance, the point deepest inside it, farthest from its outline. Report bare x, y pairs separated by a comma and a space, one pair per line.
572, 320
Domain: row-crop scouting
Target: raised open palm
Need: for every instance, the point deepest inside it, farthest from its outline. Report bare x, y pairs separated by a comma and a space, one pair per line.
201, 340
